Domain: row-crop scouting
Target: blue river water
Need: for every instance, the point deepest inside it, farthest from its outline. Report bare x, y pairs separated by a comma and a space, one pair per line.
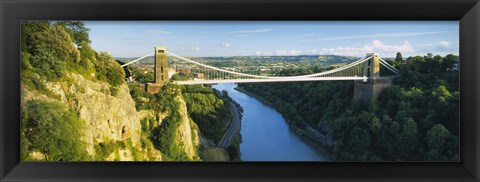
265, 133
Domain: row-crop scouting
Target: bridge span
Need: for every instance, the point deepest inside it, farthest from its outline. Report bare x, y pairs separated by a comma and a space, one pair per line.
365, 72
363, 69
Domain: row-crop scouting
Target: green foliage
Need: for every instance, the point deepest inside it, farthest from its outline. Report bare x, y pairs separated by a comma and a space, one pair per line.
165, 136
87, 58
53, 130
399, 57
113, 91
142, 76
233, 152
109, 70
104, 149
437, 136
49, 50
135, 152
182, 77
209, 109
48, 64
310, 101
46, 49
214, 154
416, 118
77, 30
34, 82
147, 125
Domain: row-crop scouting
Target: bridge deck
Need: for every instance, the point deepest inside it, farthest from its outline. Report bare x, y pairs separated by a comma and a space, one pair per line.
192, 82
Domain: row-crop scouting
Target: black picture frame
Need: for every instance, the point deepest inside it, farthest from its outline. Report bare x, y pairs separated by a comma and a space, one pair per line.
466, 11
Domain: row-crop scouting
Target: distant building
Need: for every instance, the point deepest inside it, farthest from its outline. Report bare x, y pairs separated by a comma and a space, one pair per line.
200, 75
171, 72
184, 71
129, 79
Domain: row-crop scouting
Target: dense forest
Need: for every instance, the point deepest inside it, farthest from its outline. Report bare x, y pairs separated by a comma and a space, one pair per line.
415, 119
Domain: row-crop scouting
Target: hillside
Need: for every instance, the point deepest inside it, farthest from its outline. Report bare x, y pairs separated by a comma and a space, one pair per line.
76, 105
415, 119
230, 61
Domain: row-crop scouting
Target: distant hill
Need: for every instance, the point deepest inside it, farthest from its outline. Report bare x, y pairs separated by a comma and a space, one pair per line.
243, 60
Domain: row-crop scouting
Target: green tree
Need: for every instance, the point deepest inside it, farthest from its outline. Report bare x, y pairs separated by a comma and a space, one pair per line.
109, 70
375, 125
359, 140
77, 31
408, 139
48, 64
437, 136
47, 50
399, 57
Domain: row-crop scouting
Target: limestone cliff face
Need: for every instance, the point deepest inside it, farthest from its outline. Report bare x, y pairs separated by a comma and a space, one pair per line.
187, 132
108, 116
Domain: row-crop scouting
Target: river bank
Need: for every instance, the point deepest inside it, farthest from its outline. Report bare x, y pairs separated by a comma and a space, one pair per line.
265, 133
305, 135
233, 128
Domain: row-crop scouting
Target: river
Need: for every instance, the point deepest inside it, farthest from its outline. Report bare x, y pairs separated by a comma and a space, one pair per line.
265, 133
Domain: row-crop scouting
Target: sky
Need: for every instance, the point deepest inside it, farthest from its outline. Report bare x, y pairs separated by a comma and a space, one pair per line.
245, 38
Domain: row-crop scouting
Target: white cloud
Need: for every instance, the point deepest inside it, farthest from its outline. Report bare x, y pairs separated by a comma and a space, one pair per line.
250, 31
399, 34
158, 32
226, 45
196, 48
374, 46
240, 35
305, 35
292, 52
441, 47
444, 43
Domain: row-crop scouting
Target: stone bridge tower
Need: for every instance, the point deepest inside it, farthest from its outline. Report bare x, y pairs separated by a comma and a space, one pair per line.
160, 70
374, 85
161, 66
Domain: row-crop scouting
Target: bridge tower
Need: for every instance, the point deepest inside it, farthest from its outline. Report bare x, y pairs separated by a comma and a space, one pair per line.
161, 66
364, 90
160, 70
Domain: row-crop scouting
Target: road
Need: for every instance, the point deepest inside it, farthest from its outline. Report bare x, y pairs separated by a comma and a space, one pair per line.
233, 129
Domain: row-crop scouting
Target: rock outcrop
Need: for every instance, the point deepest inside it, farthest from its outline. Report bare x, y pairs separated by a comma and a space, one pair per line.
111, 116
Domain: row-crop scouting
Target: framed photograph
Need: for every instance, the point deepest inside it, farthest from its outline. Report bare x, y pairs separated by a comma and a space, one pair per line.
239, 90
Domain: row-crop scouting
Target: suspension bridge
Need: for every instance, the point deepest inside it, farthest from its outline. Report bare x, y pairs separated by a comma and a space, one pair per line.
363, 70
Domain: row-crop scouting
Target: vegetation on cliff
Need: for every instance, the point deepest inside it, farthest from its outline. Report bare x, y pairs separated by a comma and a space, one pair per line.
416, 118
54, 131
61, 75
207, 108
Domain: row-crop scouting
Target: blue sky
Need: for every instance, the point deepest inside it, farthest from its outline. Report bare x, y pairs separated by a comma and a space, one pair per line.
234, 38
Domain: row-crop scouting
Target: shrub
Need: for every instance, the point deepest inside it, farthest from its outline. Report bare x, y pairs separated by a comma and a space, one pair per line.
53, 130
109, 70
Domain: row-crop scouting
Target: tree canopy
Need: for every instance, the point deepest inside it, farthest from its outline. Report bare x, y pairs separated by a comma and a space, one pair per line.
416, 118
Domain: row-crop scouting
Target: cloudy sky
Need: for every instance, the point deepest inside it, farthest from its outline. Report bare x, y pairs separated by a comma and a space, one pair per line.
234, 38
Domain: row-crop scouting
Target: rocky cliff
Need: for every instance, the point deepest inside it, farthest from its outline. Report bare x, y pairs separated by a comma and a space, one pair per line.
111, 117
